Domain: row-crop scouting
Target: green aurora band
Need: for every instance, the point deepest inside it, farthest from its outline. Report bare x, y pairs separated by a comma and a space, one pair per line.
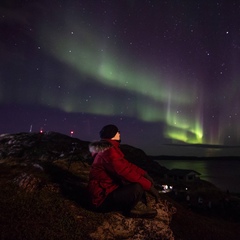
106, 67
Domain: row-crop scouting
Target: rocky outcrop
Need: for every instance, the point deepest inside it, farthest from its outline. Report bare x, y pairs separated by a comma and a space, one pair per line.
55, 163
45, 146
119, 227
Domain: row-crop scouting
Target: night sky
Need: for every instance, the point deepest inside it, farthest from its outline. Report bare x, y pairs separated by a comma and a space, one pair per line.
167, 73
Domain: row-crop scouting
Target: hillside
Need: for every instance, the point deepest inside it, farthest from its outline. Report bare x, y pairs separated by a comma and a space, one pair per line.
43, 196
43, 193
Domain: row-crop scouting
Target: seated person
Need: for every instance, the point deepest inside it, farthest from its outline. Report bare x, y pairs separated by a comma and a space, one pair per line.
114, 182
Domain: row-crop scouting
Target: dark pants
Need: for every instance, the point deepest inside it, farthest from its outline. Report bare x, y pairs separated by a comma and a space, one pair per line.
123, 198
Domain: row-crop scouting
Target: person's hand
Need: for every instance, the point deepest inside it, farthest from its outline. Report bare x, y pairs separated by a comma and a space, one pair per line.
154, 192
149, 178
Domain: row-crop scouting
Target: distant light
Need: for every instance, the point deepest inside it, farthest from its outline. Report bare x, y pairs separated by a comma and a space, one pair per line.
41, 131
166, 188
71, 133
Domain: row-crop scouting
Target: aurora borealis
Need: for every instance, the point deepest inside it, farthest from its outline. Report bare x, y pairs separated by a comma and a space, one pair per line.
165, 72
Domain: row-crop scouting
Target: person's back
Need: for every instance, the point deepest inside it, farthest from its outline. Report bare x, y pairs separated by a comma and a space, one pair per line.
114, 182
99, 177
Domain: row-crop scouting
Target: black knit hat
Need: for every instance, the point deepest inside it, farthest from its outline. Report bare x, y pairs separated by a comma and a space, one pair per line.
108, 131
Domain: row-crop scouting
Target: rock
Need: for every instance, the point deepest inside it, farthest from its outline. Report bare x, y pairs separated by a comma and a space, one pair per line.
56, 163
45, 146
119, 227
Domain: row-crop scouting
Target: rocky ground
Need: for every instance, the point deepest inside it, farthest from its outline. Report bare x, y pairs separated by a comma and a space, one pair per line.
43, 196
43, 186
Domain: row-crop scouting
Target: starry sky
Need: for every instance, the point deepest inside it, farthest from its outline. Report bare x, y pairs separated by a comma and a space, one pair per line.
165, 72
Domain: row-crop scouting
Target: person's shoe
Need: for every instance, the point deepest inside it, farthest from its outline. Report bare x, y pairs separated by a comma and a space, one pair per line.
142, 211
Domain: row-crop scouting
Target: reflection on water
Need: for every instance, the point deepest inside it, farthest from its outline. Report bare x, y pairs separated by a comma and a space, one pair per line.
224, 174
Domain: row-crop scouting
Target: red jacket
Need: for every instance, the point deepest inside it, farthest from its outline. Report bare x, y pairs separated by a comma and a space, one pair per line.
110, 170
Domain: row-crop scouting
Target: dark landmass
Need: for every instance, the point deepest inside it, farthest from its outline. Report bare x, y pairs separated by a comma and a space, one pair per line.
167, 157
43, 196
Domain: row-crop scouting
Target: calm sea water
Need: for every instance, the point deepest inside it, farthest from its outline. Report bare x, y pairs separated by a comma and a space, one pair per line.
224, 174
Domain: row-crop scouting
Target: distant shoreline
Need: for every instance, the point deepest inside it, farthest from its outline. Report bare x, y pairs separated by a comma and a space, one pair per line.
166, 157
222, 172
